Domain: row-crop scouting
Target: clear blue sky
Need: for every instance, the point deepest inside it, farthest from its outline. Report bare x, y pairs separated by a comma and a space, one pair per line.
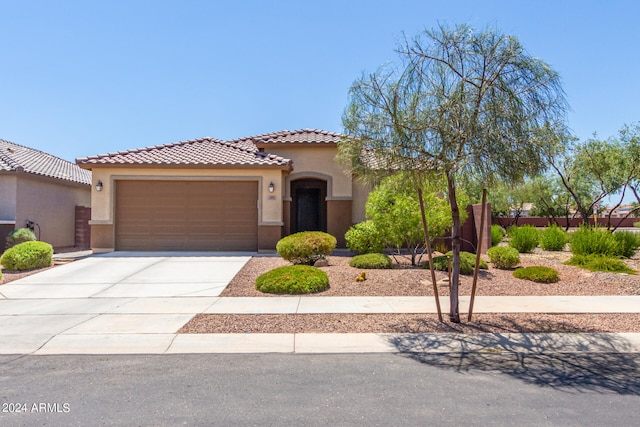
80, 78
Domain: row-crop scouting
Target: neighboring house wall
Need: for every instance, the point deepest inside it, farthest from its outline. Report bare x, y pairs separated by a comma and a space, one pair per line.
50, 204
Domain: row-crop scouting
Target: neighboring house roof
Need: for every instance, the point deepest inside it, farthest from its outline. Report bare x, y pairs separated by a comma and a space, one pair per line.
197, 152
18, 158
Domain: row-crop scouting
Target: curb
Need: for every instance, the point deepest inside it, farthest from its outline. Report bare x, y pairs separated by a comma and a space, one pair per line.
306, 343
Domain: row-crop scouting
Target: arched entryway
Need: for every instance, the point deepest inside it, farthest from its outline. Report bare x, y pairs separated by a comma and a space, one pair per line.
308, 205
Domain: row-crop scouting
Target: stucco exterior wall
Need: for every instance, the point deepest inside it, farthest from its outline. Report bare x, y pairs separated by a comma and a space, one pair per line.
360, 193
309, 160
50, 204
103, 202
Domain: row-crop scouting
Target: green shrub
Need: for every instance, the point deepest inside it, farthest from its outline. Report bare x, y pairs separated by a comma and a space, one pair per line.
636, 224
293, 279
628, 243
364, 238
497, 234
588, 240
524, 239
596, 241
595, 262
306, 247
371, 261
503, 257
27, 256
18, 236
467, 262
537, 274
553, 238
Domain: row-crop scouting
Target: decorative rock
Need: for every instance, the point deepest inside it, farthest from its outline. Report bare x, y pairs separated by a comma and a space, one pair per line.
321, 263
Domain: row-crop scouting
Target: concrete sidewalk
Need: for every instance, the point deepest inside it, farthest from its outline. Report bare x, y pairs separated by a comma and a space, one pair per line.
127, 303
482, 304
134, 324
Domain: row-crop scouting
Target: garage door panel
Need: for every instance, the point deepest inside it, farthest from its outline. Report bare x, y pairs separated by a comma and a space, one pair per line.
186, 215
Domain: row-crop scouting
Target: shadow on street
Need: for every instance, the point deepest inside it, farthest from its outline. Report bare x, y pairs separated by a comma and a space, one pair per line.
571, 362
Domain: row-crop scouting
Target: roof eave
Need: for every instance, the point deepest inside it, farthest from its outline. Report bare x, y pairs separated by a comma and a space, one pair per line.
91, 166
44, 177
311, 144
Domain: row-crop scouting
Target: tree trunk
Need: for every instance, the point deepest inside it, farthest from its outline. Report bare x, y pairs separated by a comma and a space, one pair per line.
454, 314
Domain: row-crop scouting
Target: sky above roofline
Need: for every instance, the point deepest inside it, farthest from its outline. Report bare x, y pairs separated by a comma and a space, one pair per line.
81, 78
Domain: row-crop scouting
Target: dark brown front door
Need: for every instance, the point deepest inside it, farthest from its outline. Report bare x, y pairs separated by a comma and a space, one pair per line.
308, 205
308, 209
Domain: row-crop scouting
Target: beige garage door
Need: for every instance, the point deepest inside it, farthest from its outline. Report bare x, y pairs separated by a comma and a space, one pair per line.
187, 215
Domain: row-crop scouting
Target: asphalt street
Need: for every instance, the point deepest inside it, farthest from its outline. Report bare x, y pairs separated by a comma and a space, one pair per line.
340, 389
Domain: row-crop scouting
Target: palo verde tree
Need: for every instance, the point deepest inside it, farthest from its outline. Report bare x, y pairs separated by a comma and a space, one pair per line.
462, 103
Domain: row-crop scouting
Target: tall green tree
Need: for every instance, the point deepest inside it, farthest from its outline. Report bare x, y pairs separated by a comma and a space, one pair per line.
628, 141
629, 138
595, 169
463, 102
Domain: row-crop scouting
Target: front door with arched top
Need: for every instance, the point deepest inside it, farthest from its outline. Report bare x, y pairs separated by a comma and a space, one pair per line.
308, 205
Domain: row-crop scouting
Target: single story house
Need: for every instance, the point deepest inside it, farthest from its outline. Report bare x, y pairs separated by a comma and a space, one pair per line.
212, 195
43, 192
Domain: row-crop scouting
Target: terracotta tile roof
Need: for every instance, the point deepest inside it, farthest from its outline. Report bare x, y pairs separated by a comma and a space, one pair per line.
18, 158
302, 136
203, 151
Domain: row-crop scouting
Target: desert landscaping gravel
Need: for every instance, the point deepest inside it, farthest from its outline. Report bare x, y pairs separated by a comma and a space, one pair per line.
405, 280
409, 323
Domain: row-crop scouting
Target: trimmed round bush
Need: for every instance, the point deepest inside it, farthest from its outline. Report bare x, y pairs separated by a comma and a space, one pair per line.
467, 262
366, 261
27, 256
364, 238
539, 274
524, 239
293, 279
497, 234
306, 247
18, 236
503, 257
553, 238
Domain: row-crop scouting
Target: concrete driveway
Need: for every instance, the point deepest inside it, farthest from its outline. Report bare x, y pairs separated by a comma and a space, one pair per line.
112, 303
